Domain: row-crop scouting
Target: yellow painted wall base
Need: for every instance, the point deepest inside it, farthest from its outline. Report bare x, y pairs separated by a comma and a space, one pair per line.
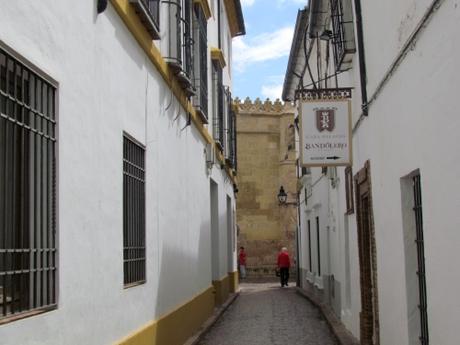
222, 290
176, 327
233, 281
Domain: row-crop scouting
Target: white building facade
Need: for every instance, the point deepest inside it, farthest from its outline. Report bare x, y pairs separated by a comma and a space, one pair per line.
117, 160
387, 223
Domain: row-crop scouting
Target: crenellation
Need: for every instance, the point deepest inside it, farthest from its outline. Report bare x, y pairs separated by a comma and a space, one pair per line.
267, 106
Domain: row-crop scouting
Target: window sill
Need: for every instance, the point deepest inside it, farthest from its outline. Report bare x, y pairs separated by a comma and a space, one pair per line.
127, 286
26, 314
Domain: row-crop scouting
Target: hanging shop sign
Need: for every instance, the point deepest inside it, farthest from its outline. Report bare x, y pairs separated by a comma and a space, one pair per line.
325, 133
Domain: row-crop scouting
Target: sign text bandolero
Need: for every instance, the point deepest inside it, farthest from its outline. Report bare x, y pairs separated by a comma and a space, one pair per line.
325, 132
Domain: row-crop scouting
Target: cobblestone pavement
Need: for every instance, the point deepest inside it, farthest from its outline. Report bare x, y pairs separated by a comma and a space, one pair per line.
266, 314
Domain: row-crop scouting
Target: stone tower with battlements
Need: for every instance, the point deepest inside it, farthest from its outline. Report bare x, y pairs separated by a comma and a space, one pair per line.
266, 160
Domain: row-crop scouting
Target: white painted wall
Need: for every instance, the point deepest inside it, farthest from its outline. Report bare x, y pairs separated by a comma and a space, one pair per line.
108, 86
412, 125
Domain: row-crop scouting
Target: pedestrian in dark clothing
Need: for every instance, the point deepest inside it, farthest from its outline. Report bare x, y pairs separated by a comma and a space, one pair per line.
284, 263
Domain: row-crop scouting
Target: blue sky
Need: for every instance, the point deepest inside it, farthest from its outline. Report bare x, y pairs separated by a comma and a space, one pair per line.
260, 57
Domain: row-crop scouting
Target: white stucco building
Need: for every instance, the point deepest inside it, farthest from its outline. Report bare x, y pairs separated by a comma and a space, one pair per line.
117, 169
387, 223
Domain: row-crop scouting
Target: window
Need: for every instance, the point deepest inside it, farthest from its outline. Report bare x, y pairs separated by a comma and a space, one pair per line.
305, 171
343, 39
149, 13
200, 100
309, 247
318, 244
133, 212
349, 190
230, 131
219, 94
290, 137
27, 190
421, 273
179, 47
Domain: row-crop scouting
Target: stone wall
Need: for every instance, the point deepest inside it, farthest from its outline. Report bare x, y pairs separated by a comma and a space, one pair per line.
266, 161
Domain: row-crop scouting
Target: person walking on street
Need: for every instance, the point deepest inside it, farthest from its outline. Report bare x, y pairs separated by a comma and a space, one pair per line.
242, 262
284, 263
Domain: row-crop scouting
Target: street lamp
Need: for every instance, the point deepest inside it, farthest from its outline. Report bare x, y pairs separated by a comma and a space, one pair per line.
282, 196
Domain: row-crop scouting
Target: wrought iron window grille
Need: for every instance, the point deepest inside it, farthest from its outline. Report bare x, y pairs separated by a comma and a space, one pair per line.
421, 273
230, 131
342, 33
218, 119
149, 13
28, 247
200, 100
180, 42
134, 260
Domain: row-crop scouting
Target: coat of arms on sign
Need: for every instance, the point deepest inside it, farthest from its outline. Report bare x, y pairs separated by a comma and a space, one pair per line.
325, 119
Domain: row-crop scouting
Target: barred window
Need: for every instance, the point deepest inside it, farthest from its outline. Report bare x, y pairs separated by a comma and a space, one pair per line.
149, 13
349, 190
133, 212
27, 190
219, 102
200, 100
232, 157
343, 39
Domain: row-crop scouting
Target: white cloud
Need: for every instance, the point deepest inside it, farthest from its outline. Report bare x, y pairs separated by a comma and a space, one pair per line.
264, 47
299, 2
272, 91
247, 3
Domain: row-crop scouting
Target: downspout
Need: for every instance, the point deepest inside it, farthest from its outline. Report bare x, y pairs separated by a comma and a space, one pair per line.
298, 230
219, 43
362, 59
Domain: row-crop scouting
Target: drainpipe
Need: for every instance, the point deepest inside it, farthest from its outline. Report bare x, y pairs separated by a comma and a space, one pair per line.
362, 59
298, 229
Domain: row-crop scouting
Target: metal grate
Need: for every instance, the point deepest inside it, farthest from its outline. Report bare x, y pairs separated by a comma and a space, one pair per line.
349, 190
153, 7
27, 189
175, 35
343, 31
149, 13
201, 63
218, 120
231, 134
318, 244
133, 212
424, 338
309, 246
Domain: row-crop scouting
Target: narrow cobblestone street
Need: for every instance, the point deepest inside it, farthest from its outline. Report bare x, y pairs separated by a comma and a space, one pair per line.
267, 314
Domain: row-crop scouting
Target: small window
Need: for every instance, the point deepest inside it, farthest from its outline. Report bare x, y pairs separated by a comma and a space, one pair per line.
149, 13
349, 190
219, 114
133, 212
28, 246
200, 100
343, 38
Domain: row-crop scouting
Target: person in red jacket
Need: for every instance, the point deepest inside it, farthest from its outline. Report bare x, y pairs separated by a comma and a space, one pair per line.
242, 262
284, 263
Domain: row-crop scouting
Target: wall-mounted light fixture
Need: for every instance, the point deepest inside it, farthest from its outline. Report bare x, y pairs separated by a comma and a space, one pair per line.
101, 6
282, 198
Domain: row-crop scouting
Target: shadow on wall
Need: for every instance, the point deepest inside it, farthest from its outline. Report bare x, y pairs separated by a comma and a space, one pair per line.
180, 273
